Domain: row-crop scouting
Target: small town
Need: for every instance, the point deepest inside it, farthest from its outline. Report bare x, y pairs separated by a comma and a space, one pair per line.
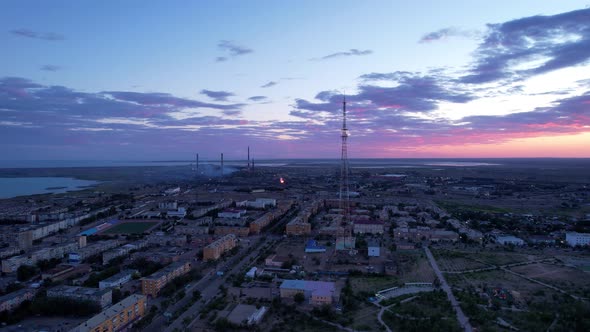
272, 248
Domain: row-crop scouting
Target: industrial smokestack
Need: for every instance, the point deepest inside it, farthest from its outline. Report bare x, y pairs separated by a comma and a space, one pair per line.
222, 163
248, 157
197, 163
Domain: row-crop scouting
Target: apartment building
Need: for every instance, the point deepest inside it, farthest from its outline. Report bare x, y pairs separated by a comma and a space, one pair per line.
102, 297
220, 246
152, 284
118, 317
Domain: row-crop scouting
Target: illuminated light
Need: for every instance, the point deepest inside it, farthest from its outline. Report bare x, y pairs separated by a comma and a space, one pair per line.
282, 181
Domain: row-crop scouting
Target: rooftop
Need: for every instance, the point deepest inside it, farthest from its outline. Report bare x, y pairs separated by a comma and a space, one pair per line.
112, 311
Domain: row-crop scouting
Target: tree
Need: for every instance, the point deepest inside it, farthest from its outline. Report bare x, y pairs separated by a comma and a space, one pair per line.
25, 272
196, 295
299, 298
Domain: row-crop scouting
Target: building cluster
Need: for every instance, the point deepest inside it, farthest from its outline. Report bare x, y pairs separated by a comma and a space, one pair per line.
300, 224
96, 248
59, 251
13, 300
121, 251
257, 225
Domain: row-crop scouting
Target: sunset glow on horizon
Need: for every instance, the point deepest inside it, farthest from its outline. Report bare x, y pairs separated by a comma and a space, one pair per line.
164, 81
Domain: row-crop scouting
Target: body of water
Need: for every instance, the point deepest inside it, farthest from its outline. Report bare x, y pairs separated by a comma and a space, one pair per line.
13, 187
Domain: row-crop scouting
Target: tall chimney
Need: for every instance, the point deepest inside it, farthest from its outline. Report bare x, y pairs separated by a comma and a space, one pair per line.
222, 163
248, 157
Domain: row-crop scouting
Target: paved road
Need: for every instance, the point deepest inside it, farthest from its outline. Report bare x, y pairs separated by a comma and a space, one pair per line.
463, 320
211, 289
205, 286
209, 284
380, 319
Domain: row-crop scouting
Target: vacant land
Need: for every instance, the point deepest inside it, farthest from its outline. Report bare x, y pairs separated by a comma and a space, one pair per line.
455, 261
373, 284
365, 318
504, 258
131, 227
426, 312
568, 279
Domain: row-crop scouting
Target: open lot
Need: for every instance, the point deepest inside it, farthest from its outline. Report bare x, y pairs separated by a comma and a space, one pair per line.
373, 284
455, 261
131, 227
566, 278
504, 258
365, 318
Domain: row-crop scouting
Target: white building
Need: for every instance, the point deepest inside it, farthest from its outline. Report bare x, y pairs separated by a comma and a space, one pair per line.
170, 205
259, 203
231, 213
577, 239
172, 191
178, 213
509, 239
117, 280
252, 272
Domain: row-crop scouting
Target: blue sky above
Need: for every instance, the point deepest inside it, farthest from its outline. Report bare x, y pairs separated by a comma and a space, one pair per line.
162, 80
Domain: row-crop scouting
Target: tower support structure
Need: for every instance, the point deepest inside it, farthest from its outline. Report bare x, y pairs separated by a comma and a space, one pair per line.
344, 194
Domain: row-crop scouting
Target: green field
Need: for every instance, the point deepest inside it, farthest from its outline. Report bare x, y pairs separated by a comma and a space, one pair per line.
131, 227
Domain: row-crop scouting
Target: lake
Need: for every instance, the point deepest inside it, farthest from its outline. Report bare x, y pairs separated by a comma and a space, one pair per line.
13, 187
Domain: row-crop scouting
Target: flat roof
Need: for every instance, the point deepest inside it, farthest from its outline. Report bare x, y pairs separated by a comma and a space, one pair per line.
165, 270
108, 313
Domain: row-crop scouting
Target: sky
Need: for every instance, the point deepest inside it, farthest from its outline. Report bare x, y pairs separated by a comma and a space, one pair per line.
163, 80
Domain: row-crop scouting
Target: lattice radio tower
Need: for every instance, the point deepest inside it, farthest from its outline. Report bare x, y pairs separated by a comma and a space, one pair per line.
344, 188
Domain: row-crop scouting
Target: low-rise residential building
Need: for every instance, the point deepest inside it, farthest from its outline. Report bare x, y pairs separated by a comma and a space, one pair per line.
118, 317
214, 250
191, 230
509, 239
177, 213
152, 284
13, 263
166, 240
259, 203
368, 227
316, 292
577, 239
246, 313
231, 214
63, 271
541, 239
236, 230
275, 260
312, 246
425, 233
102, 297
117, 280
12, 300
439, 235
96, 248
124, 250
298, 227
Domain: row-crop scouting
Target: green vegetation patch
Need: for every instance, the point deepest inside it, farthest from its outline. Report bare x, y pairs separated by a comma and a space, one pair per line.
427, 312
454, 207
373, 284
131, 227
